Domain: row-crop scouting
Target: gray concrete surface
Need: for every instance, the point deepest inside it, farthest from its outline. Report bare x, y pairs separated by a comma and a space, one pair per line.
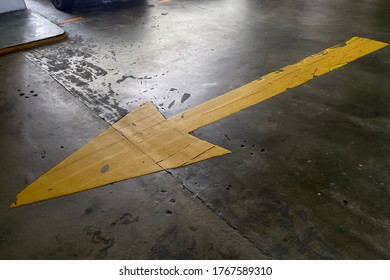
23, 27
308, 177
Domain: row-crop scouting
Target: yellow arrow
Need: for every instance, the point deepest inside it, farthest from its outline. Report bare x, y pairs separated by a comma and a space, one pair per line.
144, 141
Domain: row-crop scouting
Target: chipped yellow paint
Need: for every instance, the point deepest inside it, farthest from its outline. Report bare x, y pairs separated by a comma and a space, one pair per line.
144, 141
71, 20
33, 44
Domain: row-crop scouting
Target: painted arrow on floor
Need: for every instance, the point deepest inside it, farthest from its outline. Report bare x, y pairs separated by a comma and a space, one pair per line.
144, 141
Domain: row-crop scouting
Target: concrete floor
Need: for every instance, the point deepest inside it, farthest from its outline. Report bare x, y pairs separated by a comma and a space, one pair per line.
308, 177
24, 27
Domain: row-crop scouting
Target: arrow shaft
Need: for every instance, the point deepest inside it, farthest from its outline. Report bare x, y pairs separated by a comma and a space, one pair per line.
274, 83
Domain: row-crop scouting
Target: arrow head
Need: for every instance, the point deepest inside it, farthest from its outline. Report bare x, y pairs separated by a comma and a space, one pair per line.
141, 143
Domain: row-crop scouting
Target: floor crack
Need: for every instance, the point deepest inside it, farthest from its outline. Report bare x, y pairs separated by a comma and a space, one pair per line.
262, 251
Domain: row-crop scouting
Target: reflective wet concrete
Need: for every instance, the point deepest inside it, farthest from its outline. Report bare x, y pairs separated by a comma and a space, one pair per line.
308, 177
23, 27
